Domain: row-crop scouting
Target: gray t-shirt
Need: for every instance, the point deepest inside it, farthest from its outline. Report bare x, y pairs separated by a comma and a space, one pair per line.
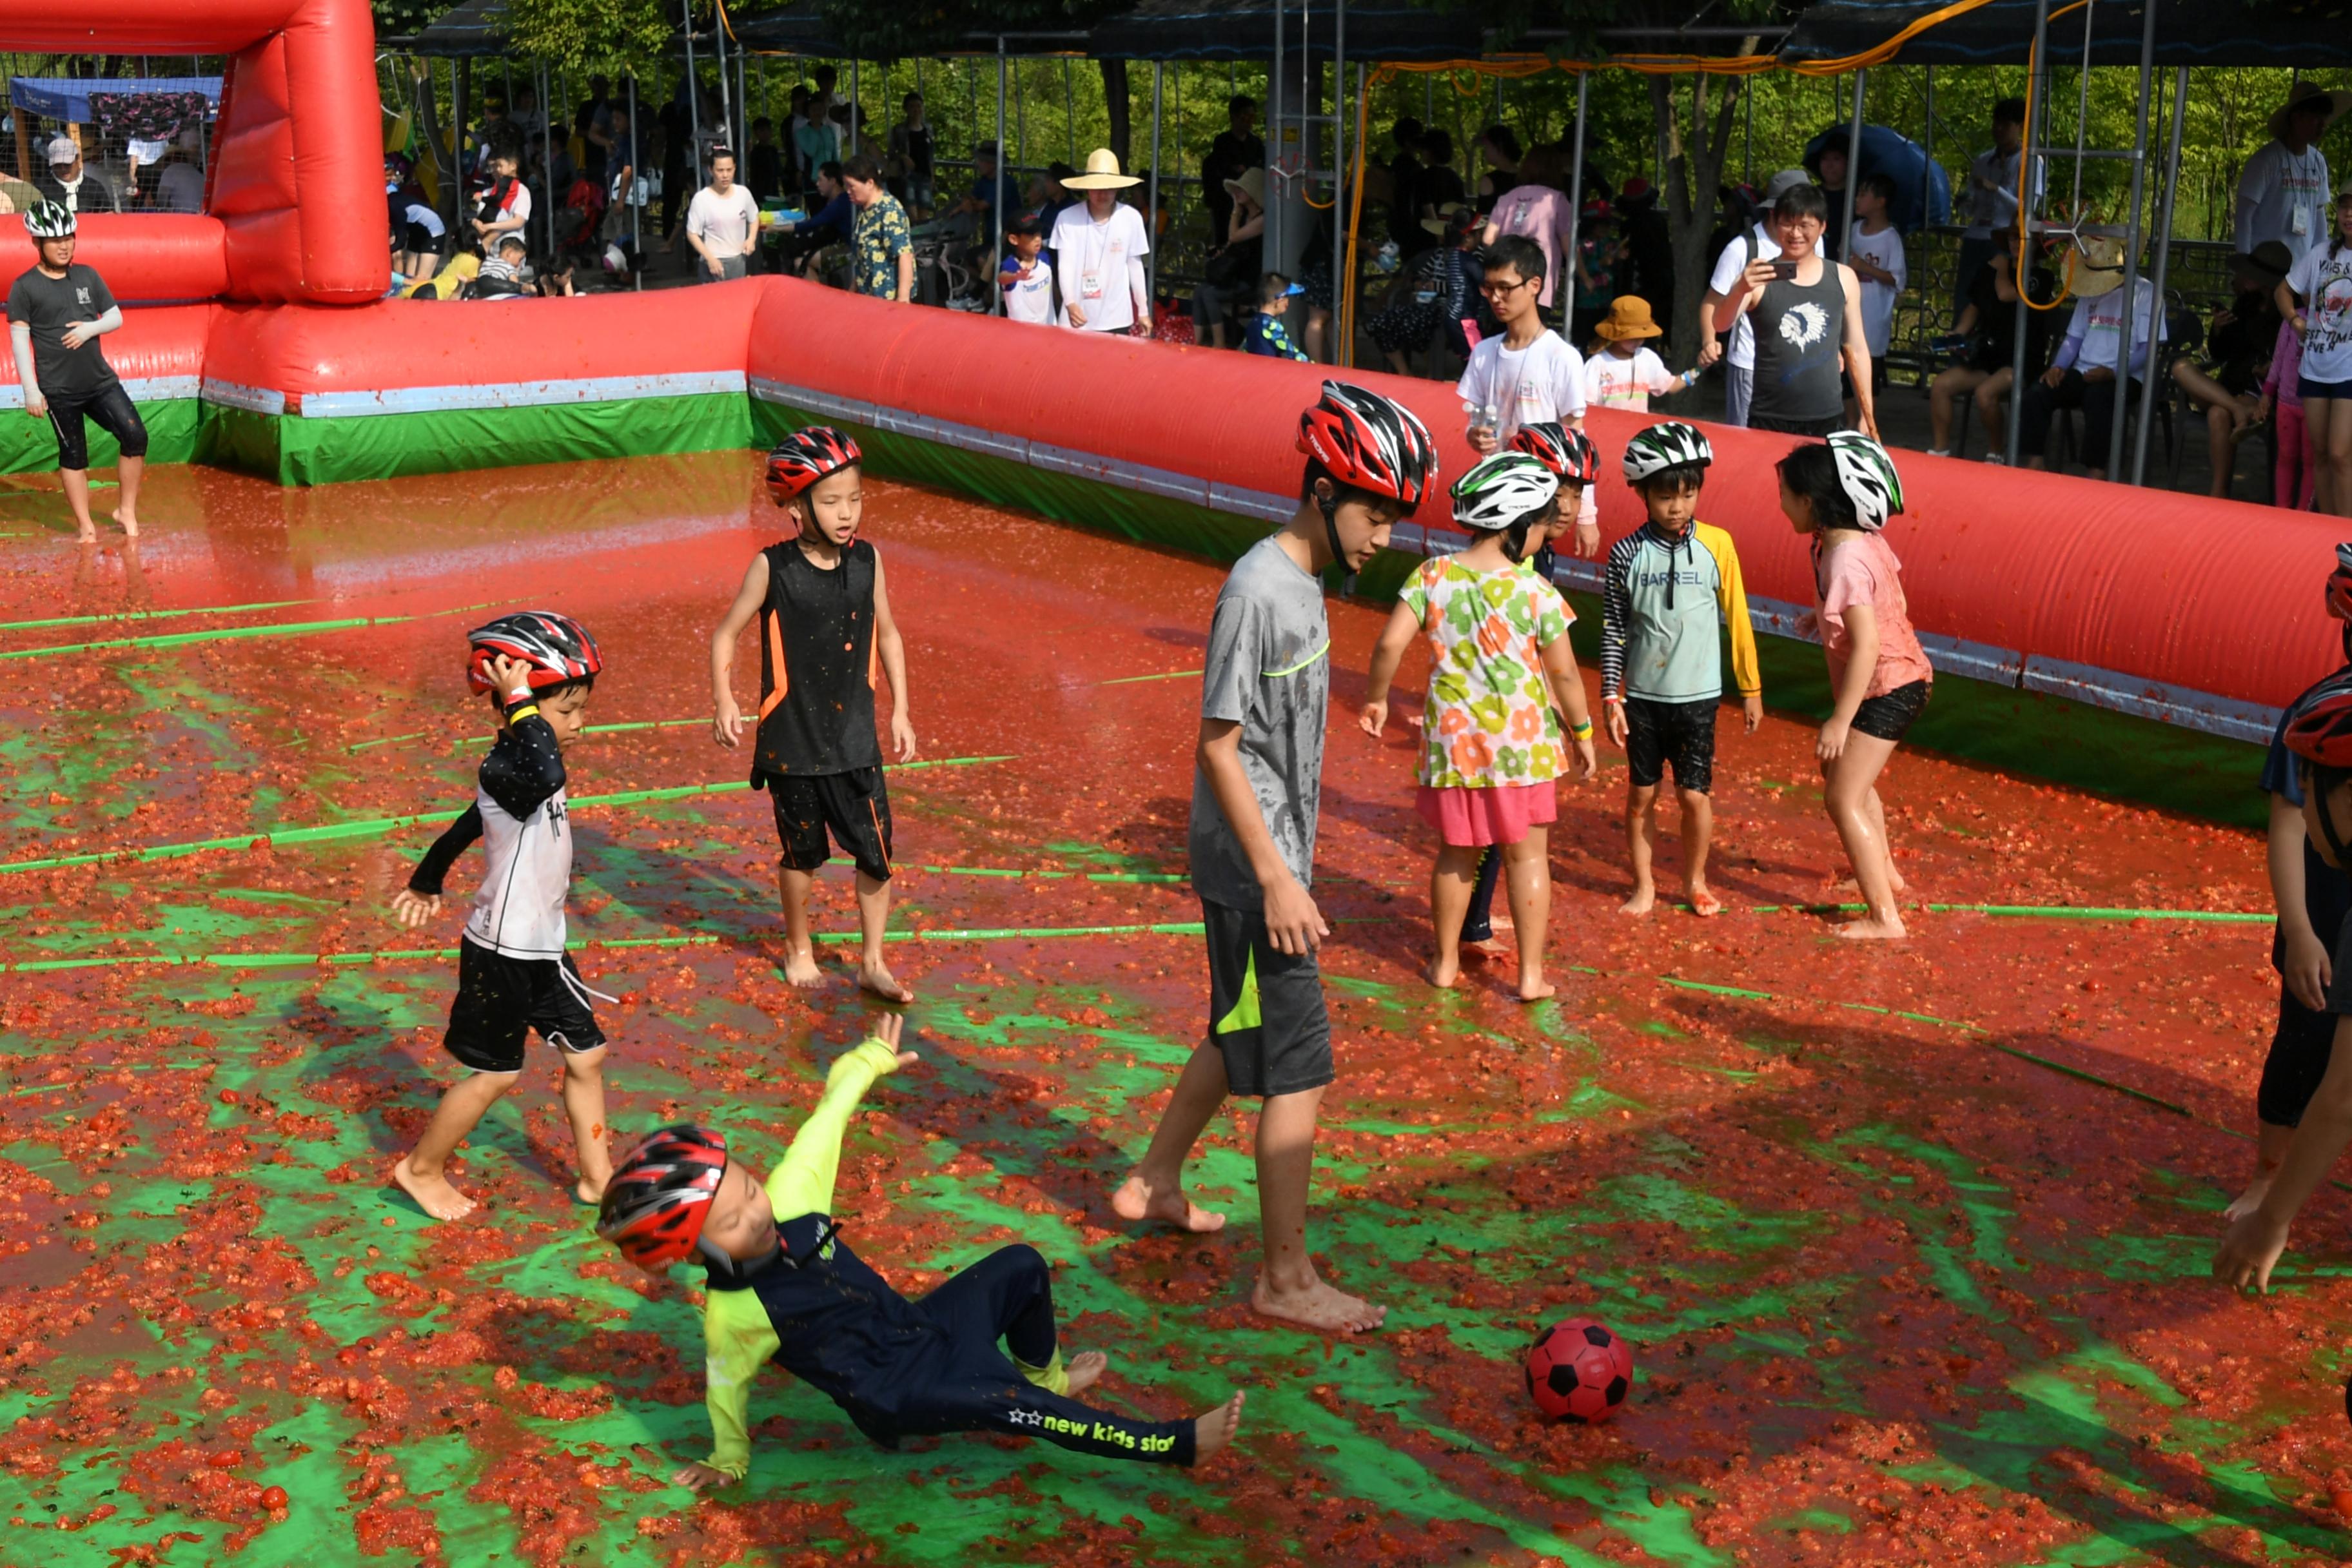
1269, 669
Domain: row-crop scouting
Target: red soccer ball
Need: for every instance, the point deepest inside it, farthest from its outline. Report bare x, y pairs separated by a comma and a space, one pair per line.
1579, 1371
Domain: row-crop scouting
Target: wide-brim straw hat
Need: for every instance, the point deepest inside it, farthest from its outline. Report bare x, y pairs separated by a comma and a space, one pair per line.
1102, 173
2310, 95
2097, 268
1629, 316
1250, 183
1451, 219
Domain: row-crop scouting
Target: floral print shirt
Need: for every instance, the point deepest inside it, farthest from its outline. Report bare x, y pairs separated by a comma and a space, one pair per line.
877, 237
1489, 719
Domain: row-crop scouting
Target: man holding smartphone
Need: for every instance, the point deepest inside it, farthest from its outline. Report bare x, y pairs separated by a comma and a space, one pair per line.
1807, 323
1738, 350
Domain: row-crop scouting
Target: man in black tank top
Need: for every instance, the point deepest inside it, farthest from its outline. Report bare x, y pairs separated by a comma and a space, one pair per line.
825, 638
1807, 322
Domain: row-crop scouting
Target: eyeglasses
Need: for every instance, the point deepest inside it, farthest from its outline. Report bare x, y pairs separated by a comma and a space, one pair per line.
1497, 290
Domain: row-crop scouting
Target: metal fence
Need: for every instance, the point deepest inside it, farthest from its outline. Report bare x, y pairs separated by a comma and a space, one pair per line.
115, 133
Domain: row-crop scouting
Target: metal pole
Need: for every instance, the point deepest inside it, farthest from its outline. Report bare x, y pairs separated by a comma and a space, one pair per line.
1926, 164
1340, 172
637, 209
2133, 234
2028, 194
2168, 196
996, 190
693, 102
742, 102
857, 102
1747, 148
726, 93
1275, 242
461, 95
1852, 161
1564, 286
547, 158
1070, 106
1152, 218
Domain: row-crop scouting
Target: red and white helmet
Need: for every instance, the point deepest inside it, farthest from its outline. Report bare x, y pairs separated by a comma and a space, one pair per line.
1569, 453
2319, 722
661, 1193
1368, 443
807, 456
2340, 584
557, 647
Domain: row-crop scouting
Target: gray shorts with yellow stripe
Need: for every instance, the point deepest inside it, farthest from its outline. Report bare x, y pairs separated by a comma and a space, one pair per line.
1265, 1008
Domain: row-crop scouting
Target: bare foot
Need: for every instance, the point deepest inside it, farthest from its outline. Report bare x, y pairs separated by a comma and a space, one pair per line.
2250, 1200
872, 976
1319, 1307
1489, 949
130, 525
591, 1192
1214, 1430
1894, 878
1138, 1199
1703, 901
88, 535
1084, 1368
1644, 900
433, 1193
1442, 974
1868, 929
801, 970
1534, 987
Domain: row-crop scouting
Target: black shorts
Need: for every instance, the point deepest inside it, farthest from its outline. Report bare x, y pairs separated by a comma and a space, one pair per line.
854, 805
500, 1000
1265, 1008
1677, 733
419, 240
1780, 426
2300, 1047
1890, 716
112, 408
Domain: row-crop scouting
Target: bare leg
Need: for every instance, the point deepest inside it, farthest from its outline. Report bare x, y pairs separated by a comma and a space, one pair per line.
1699, 828
583, 1102
1319, 327
127, 512
1988, 395
792, 889
1450, 881
1287, 1285
1850, 780
1526, 867
1397, 362
2269, 1150
76, 482
1878, 822
1156, 1189
423, 1175
1640, 833
873, 917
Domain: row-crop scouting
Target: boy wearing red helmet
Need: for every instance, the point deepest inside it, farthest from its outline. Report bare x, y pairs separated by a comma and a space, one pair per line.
826, 637
513, 975
783, 1285
1257, 780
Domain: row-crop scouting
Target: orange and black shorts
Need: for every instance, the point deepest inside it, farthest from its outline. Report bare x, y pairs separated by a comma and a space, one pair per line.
854, 808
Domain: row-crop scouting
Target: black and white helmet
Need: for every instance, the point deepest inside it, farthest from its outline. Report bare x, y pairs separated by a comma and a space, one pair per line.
1868, 477
1671, 445
1504, 488
49, 220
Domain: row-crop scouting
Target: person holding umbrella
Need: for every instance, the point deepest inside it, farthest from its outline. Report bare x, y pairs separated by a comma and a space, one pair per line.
1098, 250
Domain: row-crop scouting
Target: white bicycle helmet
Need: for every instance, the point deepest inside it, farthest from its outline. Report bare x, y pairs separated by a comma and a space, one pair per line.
1869, 478
1671, 445
1503, 489
49, 220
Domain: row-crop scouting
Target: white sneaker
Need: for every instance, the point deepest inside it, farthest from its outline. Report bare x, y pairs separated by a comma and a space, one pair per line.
1939, 451
1995, 457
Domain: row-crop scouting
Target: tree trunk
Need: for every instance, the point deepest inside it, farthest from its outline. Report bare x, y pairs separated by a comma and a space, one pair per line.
1115, 99
1694, 170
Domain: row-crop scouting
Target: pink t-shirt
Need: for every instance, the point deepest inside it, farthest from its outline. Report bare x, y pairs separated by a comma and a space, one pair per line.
1539, 212
1865, 571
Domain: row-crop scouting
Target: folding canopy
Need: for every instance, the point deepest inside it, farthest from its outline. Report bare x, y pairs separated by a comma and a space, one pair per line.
2291, 33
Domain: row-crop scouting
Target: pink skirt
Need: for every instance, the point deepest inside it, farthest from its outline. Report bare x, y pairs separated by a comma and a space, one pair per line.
1499, 815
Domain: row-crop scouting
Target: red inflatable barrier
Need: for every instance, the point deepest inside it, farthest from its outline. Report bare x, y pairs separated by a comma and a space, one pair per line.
166, 259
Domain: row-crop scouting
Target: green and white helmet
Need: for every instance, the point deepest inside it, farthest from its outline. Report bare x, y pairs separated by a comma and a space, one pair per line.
50, 220
1671, 445
1868, 476
1503, 489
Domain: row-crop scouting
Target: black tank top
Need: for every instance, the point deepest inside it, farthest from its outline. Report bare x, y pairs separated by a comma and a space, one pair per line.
818, 664
1800, 335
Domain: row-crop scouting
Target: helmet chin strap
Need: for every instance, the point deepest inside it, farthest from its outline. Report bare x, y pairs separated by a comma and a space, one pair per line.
1330, 509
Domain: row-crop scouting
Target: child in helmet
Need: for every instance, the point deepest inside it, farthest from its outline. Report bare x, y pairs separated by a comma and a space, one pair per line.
58, 310
538, 668
2318, 731
1841, 491
1500, 663
1661, 662
782, 1285
826, 633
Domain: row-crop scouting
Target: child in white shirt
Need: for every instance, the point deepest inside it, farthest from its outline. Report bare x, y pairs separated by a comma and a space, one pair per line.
1027, 278
1623, 373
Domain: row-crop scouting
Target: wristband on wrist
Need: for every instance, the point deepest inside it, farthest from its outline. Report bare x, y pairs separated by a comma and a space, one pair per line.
1583, 732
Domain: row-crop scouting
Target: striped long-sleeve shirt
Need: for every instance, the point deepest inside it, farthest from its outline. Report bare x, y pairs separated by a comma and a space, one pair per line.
1660, 599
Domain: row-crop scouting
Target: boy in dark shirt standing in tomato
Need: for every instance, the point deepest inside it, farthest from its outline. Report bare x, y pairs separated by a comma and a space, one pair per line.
825, 635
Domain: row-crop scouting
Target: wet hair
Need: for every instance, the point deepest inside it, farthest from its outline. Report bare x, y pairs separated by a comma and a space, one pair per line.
1341, 494
2008, 112
1272, 287
861, 167
1807, 200
1879, 184
1516, 250
1503, 140
1674, 481
1811, 470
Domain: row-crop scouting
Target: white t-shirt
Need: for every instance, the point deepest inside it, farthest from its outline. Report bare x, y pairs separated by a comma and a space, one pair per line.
1614, 382
1884, 249
518, 205
723, 223
1030, 299
2285, 195
1093, 259
1544, 381
1740, 348
426, 218
2324, 283
2096, 331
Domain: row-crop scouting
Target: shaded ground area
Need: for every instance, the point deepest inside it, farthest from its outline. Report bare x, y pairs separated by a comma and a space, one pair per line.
1909, 1242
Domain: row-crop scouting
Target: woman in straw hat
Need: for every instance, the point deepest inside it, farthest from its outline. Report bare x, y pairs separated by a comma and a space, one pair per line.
2283, 194
2091, 371
1098, 251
